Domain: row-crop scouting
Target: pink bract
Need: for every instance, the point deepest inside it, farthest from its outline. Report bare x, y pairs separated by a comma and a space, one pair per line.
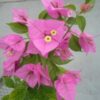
15, 42
34, 74
13, 46
63, 50
20, 16
87, 43
66, 85
31, 49
55, 8
12, 67
85, 7
42, 35
76, 32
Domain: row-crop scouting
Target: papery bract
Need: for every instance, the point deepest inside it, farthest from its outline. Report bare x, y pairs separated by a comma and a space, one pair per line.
12, 67
66, 85
43, 76
56, 8
31, 49
87, 43
46, 34
33, 75
14, 41
76, 32
63, 49
13, 46
58, 96
20, 15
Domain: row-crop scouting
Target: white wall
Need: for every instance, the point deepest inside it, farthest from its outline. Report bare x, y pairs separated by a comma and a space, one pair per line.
89, 88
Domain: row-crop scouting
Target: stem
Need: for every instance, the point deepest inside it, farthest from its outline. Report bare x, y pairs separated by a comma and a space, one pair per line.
69, 27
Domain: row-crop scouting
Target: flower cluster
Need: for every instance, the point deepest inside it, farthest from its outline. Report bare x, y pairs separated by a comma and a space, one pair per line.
48, 42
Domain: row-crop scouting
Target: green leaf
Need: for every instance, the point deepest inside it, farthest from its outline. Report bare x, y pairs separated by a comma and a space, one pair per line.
6, 97
53, 70
41, 93
71, 21
19, 93
58, 61
30, 59
49, 92
8, 81
81, 22
62, 70
43, 61
74, 43
26, 93
90, 1
17, 81
71, 6
18, 27
44, 15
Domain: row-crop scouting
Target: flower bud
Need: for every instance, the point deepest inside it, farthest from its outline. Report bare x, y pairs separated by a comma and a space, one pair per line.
85, 7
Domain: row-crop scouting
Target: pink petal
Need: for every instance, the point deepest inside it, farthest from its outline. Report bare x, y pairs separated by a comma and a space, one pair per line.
15, 41
66, 85
44, 77
36, 27
22, 72
46, 3
2, 44
50, 46
59, 2
29, 74
58, 96
31, 80
43, 47
40, 45
66, 91
9, 68
31, 49
53, 13
65, 12
60, 33
20, 15
53, 24
87, 43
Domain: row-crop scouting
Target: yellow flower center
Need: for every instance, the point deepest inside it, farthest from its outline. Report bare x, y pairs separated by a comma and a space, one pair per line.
53, 32
48, 39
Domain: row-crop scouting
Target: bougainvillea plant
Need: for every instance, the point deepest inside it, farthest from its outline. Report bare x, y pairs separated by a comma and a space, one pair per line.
36, 53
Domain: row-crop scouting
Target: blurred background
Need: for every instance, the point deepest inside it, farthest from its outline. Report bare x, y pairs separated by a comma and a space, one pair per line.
89, 88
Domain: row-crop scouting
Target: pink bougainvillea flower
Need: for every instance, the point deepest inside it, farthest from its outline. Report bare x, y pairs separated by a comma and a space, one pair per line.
10, 63
31, 49
55, 8
14, 41
43, 76
46, 34
33, 75
58, 96
63, 49
13, 46
29, 74
10, 71
87, 43
66, 85
20, 16
76, 32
